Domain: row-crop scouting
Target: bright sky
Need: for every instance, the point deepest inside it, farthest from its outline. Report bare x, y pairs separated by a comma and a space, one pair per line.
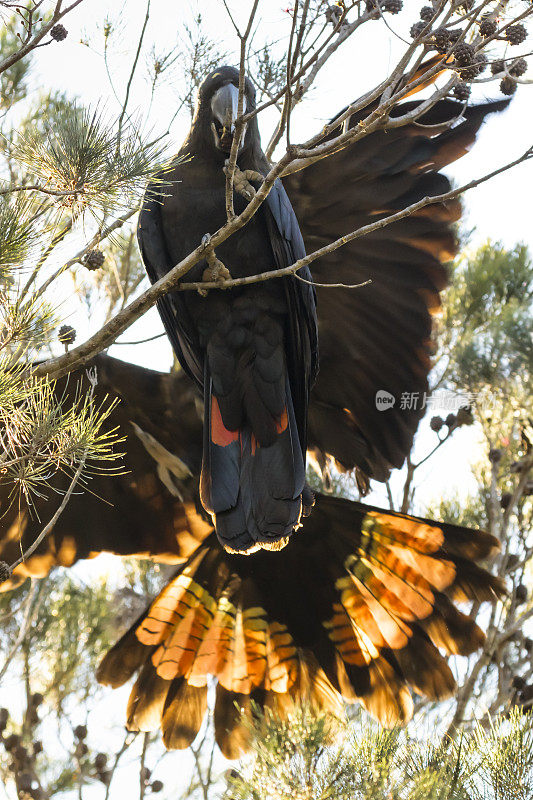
500, 210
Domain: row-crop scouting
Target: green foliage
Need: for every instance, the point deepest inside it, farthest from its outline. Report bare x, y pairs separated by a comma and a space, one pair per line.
86, 161
306, 757
24, 325
71, 627
43, 435
506, 772
72, 631
299, 757
457, 509
487, 320
13, 81
442, 771
375, 752
18, 233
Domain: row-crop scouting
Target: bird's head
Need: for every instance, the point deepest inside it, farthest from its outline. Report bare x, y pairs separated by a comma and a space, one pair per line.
218, 100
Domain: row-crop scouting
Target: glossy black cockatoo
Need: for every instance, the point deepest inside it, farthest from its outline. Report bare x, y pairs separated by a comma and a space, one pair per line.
359, 606
253, 350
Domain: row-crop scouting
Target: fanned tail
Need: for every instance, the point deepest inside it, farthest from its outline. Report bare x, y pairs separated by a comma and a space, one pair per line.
360, 608
252, 490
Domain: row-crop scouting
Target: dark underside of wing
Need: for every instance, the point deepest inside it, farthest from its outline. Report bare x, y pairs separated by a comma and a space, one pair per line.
359, 605
378, 337
149, 507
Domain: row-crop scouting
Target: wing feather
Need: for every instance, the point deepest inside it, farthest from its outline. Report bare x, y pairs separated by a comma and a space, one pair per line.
359, 610
379, 336
150, 507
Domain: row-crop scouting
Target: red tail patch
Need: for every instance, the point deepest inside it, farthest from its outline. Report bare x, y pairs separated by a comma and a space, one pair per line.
219, 434
281, 424
223, 437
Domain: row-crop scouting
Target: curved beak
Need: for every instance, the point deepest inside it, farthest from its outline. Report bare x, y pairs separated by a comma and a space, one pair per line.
224, 106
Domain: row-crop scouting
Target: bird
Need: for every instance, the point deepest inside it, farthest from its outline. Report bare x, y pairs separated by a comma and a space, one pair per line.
359, 605
253, 350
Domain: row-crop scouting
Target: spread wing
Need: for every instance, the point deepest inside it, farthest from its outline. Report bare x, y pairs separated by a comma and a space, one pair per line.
359, 606
149, 509
379, 337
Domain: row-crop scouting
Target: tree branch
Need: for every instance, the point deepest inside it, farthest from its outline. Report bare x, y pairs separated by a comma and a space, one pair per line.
239, 122
170, 282
28, 46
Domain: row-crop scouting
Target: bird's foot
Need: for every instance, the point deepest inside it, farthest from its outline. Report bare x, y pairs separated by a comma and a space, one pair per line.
215, 272
241, 180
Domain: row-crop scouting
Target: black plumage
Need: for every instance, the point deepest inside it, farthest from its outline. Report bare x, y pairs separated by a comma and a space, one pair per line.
252, 350
371, 339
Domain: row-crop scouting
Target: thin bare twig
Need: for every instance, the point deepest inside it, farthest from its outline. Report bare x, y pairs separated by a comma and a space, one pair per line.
239, 123
30, 613
333, 285
143, 341
66, 497
283, 122
350, 237
128, 739
132, 73
33, 41
142, 767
